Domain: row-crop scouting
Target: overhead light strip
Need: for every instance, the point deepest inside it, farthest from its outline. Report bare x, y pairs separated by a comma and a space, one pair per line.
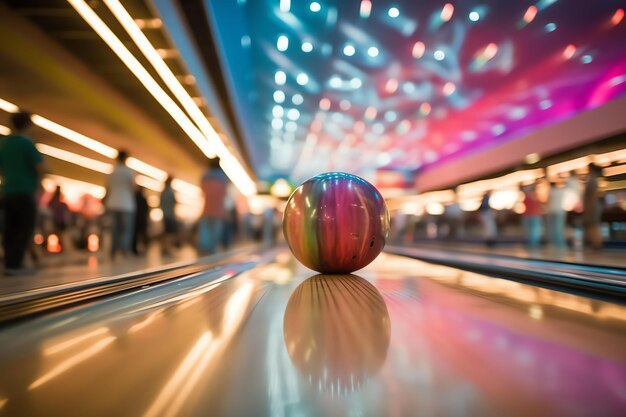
74, 158
143, 76
94, 145
153, 56
242, 180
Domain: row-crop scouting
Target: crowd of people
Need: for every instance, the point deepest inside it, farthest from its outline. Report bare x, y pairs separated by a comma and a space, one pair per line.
25, 208
566, 211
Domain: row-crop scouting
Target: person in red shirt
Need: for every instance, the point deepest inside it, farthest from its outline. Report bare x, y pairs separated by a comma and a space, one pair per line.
533, 213
214, 183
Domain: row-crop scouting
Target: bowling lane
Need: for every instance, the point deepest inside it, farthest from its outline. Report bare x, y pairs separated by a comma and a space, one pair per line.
401, 337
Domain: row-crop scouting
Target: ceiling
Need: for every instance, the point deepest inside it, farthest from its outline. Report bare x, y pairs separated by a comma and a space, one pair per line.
405, 85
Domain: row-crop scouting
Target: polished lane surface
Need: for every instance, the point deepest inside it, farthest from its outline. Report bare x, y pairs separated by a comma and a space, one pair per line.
399, 338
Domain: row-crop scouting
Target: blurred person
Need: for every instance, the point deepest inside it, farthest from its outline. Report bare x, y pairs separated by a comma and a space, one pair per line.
168, 205
120, 204
532, 216
60, 216
230, 222
454, 217
592, 208
556, 215
488, 220
214, 184
22, 167
140, 232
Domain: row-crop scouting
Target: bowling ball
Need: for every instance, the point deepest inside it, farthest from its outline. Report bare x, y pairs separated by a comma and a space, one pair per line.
337, 331
336, 223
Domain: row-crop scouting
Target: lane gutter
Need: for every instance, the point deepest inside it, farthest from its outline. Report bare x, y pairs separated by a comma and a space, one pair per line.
605, 283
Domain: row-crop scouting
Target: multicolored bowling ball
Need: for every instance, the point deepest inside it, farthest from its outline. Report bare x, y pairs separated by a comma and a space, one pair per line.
336, 223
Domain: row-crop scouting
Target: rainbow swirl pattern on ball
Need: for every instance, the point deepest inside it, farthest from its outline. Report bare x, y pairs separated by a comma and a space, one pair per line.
336, 223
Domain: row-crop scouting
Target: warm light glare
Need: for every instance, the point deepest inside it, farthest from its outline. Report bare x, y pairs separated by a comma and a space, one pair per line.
147, 169
93, 243
418, 49
8, 107
449, 88
74, 158
530, 14
365, 9
75, 137
569, 51
391, 86
5, 130
325, 104
202, 142
447, 12
617, 17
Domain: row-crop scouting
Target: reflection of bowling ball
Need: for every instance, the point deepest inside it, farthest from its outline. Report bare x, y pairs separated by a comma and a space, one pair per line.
336, 223
337, 330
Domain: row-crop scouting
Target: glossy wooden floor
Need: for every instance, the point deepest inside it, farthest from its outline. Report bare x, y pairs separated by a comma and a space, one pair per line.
400, 338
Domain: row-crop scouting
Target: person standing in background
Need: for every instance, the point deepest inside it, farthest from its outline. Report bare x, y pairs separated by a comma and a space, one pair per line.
120, 204
487, 217
22, 167
592, 208
556, 215
168, 205
60, 213
142, 211
214, 183
532, 216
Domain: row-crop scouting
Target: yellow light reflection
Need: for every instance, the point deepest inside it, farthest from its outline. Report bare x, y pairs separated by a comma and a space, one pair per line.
59, 347
72, 362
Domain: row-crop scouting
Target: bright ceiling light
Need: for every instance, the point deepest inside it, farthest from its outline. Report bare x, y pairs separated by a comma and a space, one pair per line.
142, 74
439, 55
297, 99
277, 124
372, 51
393, 12
278, 111
4, 130
291, 126
73, 136
307, 47
418, 49
145, 168
474, 16
8, 107
569, 51
356, 82
182, 95
617, 17
366, 8
447, 11
349, 50
391, 86
302, 79
279, 96
149, 183
280, 77
282, 43
293, 114
285, 5
335, 82
449, 88
530, 14
315, 7
74, 158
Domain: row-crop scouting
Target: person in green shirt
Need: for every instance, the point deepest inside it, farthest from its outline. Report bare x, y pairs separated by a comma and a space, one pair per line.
21, 167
